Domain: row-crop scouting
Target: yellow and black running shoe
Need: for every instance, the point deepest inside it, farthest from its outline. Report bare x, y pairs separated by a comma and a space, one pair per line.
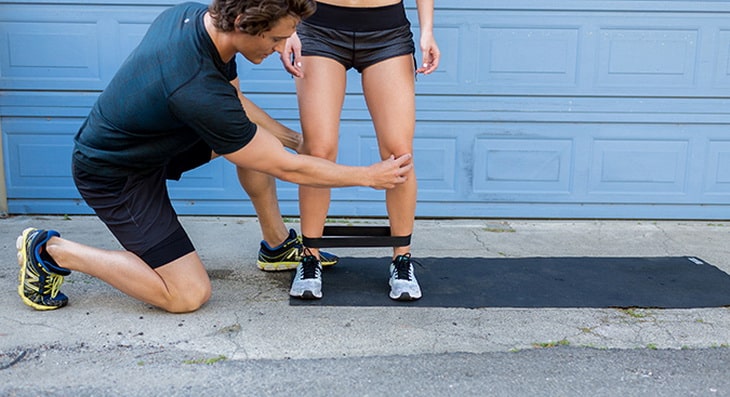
288, 255
40, 276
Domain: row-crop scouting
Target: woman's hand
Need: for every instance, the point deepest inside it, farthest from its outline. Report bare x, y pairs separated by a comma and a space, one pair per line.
431, 54
291, 58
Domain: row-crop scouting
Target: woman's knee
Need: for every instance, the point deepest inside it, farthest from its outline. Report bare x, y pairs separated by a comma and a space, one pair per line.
324, 150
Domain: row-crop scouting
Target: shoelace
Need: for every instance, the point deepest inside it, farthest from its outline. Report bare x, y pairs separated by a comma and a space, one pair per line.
301, 249
55, 285
309, 265
403, 268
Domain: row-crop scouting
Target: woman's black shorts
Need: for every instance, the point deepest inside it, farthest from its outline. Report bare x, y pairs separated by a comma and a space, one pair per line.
357, 37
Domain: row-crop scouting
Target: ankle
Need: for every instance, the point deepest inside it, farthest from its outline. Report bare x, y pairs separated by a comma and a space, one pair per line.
54, 248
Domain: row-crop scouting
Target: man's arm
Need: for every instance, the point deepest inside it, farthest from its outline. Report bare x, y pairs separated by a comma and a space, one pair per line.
266, 154
287, 136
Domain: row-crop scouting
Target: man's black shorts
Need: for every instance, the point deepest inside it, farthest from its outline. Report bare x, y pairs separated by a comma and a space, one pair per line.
137, 208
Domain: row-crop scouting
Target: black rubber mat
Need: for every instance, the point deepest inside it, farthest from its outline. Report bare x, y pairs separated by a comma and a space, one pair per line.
597, 282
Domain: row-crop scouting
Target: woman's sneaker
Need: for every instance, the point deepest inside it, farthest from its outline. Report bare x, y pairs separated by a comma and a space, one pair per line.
307, 282
287, 255
403, 283
40, 276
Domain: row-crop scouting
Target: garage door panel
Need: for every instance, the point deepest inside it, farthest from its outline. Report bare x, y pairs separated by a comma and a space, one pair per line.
453, 70
38, 158
623, 168
537, 166
722, 63
50, 50
717, 182
67, 47
648, 58
436, 165
527, 56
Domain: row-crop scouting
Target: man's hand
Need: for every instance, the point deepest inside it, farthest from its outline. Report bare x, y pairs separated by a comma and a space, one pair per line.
290, 139
389, 173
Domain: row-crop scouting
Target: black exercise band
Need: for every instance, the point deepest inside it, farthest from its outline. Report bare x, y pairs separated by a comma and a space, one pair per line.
356, 236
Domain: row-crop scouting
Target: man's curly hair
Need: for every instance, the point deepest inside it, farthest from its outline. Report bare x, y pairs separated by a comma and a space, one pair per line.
256, 16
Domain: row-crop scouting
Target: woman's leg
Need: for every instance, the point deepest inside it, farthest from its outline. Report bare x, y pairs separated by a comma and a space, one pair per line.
321, 93
389, 88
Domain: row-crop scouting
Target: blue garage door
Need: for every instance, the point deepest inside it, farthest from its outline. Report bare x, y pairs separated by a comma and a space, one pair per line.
571, 109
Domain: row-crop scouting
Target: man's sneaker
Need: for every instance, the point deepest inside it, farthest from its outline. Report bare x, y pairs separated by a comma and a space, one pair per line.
403, 283
307, 282
288, 255
40, 276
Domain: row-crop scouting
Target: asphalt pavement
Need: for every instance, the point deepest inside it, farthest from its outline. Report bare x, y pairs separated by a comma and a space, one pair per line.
248, 340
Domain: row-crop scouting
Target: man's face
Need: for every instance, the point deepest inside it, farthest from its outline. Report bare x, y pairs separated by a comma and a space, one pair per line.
257, 48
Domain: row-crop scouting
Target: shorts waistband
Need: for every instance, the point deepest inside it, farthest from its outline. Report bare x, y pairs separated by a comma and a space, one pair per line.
359, 19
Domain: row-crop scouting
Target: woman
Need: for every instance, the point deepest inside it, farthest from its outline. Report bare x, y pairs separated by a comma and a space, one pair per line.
374, 37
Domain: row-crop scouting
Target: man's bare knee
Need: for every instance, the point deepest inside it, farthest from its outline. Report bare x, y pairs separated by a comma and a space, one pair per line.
187, 284
190, 300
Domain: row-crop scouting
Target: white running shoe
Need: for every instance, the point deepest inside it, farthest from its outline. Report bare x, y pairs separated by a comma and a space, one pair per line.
403, 283
307, 282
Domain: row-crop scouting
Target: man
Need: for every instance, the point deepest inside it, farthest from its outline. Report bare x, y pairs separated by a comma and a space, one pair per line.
175, 104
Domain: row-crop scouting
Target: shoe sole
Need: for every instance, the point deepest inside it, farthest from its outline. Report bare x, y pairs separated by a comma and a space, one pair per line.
307, 295
22, 259
404, 297
284, 266
276, 267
